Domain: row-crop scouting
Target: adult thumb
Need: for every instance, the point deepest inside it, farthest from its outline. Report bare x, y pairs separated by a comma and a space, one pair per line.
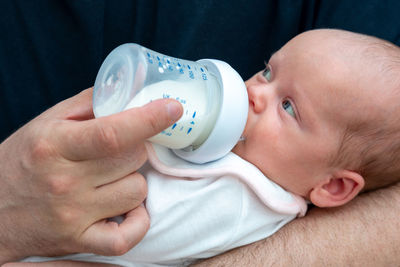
157, 116
121, 130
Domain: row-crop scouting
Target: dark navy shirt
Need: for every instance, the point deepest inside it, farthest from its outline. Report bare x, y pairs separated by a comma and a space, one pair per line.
51, 50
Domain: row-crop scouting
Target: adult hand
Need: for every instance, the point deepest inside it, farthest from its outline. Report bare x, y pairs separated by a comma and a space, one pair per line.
64, 173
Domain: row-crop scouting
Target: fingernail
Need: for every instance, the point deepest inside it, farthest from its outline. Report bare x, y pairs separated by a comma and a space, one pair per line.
174, 110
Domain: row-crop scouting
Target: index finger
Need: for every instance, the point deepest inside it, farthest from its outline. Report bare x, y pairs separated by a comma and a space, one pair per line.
119, 132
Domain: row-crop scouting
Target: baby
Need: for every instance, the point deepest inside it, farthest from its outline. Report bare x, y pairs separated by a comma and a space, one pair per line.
321, 126
324, 116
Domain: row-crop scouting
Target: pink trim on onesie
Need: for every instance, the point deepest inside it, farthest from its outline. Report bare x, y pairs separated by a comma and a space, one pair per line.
271, 194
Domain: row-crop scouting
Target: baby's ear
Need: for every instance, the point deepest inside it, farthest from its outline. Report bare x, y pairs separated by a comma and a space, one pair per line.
337, 190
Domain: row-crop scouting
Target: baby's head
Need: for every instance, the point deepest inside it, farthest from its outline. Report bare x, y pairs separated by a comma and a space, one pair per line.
324, 116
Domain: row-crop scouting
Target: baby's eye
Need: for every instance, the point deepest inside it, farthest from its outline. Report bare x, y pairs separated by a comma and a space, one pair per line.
287, 106
267, 72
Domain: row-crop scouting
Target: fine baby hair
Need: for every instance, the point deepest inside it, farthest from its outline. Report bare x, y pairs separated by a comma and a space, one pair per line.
371, 145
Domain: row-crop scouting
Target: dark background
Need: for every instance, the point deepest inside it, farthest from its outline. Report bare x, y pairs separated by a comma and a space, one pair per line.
52, 49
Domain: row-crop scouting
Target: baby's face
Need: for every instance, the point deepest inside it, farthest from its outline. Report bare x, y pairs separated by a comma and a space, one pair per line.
298, 110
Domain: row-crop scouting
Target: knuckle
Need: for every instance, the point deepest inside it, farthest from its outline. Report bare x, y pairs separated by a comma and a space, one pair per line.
42, 150
131, 192
73, 137
140, 185
60, 185
66, 216
119, 246
138, 151
122, 243
146, 223
137, 156
108, 138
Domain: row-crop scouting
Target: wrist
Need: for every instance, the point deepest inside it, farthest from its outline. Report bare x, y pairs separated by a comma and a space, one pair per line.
8, 255
13, 242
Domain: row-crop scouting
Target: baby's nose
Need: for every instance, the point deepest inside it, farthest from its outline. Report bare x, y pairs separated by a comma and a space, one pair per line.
257, 97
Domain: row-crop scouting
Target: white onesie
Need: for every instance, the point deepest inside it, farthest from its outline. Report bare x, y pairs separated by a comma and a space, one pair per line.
198, 211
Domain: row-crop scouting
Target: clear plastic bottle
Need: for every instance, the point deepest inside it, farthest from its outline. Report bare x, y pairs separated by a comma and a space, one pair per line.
132, 76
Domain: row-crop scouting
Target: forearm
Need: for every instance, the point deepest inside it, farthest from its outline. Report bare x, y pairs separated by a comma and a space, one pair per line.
59, 264
363, 233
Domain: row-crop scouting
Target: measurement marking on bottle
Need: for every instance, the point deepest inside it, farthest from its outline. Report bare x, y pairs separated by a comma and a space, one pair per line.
190, 129
166, 133
173, 126
194, 115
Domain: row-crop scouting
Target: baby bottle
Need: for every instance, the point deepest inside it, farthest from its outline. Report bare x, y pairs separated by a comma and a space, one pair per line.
213, 96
